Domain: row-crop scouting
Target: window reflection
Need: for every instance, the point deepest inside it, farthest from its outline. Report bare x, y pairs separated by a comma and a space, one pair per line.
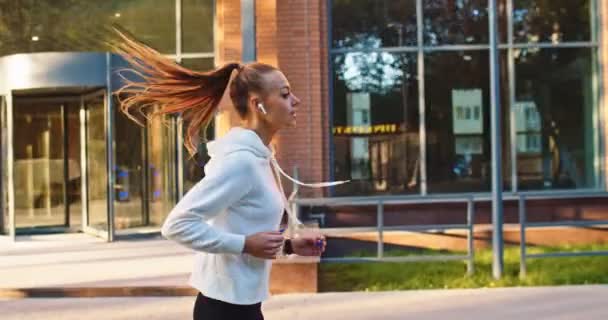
197, 25
458, 113
555, 118
373, 23
553, 21
375, 125
455, 22
129, 179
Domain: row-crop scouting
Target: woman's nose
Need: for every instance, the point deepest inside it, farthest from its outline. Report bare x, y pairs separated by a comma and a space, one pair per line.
296, 100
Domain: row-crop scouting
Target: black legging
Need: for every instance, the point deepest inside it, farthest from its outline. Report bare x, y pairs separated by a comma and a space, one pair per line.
206, 308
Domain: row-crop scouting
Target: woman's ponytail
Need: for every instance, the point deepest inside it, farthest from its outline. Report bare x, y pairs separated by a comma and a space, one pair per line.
166, 88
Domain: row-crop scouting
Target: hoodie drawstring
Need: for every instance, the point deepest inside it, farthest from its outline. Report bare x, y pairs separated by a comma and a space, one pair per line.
293, 223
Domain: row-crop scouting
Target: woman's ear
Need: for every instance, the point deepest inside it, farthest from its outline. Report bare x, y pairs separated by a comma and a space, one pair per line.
261, 108
257, 105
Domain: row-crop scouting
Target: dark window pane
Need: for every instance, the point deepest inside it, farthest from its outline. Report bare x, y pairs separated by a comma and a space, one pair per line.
161, 169
555, 111
197, 25
551, 21
129, 180
83, 25
457, 22
375, 126
194, 164
97, 163
199, 64
457, 121
373, 23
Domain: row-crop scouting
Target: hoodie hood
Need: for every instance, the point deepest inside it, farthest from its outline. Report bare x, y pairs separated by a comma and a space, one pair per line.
241, 139
238, 139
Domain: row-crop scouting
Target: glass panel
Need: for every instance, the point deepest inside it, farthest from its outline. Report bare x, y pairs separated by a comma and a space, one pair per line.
197, 25
74, 176
458, 127
373, 23
193, 165
161, 169
505, 106
199, 64
551, 21
455, 22
97, 163
375, 124
129, 182
83, 25
39, 164
555, 118
4, 220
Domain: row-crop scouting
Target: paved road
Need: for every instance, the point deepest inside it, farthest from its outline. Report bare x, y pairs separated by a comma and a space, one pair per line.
576, 302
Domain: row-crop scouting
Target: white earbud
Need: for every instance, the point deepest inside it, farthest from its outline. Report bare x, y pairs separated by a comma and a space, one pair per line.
261, 107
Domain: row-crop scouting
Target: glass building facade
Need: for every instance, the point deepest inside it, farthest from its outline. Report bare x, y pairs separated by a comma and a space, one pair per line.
411, 95
76, 163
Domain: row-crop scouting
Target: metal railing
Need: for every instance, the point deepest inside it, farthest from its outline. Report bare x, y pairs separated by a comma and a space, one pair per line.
469, 199
381, 228
524, 225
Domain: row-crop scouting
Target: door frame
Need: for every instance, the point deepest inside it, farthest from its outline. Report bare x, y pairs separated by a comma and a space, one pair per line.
82, 109
108, 233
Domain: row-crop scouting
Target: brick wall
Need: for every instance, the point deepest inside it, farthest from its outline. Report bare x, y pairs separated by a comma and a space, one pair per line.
228, 48
301, 56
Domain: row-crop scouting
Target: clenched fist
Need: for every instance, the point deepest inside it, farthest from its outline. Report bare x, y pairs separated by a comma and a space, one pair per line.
263, 245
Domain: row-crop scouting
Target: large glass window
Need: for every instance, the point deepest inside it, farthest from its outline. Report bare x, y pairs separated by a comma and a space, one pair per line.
555, 118
376, 133
458, 121
197, 25
548, 95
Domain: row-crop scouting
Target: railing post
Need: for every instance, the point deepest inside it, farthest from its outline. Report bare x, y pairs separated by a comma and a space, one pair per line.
470, 236
522, 236
380, 222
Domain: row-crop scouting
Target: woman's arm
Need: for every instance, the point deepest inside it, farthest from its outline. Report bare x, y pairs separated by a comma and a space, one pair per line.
225, 184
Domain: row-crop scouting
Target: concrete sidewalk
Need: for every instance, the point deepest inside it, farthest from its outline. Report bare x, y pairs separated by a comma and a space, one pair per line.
135, 268
79, 260
561, 303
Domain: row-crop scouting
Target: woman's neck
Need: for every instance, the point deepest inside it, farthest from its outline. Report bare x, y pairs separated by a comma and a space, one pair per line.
266, 134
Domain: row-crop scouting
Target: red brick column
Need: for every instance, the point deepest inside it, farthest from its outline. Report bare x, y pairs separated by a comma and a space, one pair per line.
302, 56
228, 48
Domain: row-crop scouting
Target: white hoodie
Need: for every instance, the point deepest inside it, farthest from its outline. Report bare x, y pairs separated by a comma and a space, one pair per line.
237, 197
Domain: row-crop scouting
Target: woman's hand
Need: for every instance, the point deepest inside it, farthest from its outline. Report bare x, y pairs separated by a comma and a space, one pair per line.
310, 244
263, 245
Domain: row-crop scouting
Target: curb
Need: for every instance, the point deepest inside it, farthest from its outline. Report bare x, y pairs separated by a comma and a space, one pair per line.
97, 292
